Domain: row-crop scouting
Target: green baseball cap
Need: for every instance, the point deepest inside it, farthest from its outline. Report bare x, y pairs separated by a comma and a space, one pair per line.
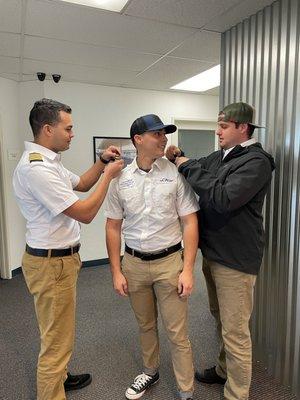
241, 113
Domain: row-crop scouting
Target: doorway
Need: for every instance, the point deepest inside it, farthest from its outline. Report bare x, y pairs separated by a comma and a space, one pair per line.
195, 137
196, 143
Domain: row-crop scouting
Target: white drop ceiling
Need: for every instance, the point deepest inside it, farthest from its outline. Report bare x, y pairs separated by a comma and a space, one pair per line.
151, 44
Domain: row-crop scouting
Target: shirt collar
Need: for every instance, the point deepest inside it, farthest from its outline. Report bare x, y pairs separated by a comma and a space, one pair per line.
31, 146
248, 142
244, 144
134, 166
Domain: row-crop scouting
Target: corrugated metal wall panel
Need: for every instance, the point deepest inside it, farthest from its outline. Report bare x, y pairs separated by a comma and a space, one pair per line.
261, 66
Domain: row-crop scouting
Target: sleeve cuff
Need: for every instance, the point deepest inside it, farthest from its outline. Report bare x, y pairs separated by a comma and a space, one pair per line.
66, 204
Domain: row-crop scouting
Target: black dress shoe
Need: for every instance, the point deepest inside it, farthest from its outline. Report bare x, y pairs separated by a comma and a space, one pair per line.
74, 382
209, 376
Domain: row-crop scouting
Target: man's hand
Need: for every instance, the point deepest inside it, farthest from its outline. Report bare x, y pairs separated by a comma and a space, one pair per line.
172, 152
114, 168
111, 153
175, 155
120, 284
180, 160
185, 283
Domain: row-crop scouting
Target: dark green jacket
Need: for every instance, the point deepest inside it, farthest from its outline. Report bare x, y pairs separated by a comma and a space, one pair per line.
231, 194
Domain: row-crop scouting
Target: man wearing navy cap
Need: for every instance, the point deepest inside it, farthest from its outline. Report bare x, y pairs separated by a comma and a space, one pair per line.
231, 184
154, 200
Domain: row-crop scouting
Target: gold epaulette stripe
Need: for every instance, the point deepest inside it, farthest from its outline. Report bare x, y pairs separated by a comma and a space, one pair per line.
35, 157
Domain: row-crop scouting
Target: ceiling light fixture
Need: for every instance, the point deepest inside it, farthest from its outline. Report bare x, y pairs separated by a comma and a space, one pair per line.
208, 79
111, 5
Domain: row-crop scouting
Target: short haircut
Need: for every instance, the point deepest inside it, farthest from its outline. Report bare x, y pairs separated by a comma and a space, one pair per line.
46, 111
250, 129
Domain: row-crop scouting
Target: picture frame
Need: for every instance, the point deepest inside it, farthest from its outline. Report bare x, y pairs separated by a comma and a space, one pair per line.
128, 151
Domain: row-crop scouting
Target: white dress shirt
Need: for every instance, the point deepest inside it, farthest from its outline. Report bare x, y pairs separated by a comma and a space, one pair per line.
44, 189
244, 144
150, 204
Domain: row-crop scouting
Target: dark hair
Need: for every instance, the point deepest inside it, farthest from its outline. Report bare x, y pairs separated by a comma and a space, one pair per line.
46, 111
250, 129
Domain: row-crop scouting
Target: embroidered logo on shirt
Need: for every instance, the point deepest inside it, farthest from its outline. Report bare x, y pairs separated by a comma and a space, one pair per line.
129, 183
165, 180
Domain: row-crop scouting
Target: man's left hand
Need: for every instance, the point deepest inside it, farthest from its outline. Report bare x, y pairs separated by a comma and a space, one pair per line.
185, 283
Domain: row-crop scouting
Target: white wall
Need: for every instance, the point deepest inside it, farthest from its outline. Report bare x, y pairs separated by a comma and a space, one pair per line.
12, 140
97, 111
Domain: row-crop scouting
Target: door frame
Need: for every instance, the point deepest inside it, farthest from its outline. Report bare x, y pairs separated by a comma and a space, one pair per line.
5, 272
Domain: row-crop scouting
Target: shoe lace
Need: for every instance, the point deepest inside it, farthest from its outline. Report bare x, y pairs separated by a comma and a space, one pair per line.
141, 380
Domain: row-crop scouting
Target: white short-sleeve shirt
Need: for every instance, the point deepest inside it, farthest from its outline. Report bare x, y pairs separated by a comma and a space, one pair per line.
44, 189
150, 204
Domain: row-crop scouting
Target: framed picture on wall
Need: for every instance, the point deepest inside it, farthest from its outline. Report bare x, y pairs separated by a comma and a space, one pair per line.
101, 143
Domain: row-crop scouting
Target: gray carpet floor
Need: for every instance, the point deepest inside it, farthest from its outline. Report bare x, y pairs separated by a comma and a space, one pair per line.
107, 344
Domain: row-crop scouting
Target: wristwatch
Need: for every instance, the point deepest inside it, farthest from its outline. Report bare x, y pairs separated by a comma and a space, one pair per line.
103, 159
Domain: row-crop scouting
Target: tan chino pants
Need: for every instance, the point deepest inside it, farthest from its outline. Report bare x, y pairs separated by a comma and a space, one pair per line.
52, 282
153, 285
230, 294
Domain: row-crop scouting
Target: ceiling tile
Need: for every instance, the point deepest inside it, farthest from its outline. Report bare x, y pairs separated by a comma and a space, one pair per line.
83, 54
202, 46
212, 92
10, 15
191, 13
168, 72
86, 25
9, 44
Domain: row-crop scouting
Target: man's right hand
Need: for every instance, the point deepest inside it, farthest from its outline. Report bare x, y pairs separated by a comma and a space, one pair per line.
114, 168
120, 284
111, 153
172, 152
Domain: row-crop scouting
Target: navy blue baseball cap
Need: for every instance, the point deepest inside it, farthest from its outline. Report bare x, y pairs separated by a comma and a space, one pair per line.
149, 123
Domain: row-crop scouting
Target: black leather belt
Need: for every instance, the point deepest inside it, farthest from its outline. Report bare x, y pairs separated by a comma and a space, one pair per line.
153, 256
52, 252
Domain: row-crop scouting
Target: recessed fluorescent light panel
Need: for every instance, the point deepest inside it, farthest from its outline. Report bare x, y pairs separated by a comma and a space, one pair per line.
208, 79
111, 5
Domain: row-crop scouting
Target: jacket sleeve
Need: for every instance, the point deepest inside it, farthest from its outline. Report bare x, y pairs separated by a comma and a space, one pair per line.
239, 187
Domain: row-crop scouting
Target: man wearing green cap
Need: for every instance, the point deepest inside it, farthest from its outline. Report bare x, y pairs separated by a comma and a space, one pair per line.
231, 184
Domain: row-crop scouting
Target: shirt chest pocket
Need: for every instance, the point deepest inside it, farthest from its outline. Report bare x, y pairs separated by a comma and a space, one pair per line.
164, 198
131, 200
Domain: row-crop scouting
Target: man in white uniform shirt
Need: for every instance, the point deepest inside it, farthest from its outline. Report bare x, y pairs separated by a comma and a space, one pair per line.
51, 262
154, 201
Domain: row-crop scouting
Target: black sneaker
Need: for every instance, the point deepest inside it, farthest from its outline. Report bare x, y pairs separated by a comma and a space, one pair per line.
209, 376
140, 384
74, 382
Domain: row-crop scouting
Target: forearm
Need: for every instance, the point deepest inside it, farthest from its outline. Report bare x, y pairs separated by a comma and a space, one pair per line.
190, 241
113, 244
92, 204
85, 210
91, 176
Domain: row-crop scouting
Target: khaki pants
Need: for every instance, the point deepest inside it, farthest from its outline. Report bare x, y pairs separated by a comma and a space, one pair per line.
152, 283
230, 294
52, 282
